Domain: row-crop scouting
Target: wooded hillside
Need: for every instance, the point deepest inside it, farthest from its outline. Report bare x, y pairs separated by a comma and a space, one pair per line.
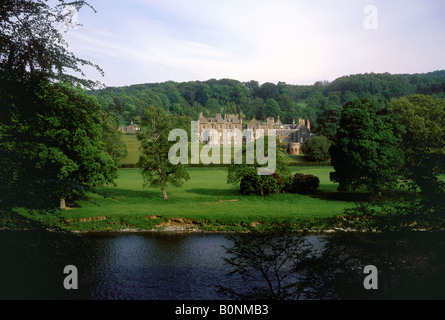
253, 99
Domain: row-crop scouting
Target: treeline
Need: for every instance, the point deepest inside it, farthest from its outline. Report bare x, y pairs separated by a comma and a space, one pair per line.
254, 100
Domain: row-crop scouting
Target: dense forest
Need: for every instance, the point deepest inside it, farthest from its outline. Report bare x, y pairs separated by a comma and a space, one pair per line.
254, 100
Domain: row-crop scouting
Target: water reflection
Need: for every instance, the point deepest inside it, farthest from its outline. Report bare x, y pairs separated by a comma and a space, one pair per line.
155, 266
190, 266
411, 266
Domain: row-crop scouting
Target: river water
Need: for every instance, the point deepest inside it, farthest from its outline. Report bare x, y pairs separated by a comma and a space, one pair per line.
157, 266
173, 266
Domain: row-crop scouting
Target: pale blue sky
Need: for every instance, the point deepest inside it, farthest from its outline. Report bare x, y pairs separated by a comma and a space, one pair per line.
295, 41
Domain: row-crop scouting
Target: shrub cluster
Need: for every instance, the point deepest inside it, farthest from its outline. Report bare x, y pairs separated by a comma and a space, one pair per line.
254, 184
304, 184
317, 148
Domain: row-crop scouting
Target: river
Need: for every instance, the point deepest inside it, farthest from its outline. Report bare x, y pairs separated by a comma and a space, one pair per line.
190, 266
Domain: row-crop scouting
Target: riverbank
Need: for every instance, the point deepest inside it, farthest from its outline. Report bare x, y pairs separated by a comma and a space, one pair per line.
205, 203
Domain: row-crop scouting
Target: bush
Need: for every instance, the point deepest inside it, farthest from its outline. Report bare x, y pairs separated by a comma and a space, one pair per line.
300, 183
287, 185
317, 148
252, 183
304, 184
272, 184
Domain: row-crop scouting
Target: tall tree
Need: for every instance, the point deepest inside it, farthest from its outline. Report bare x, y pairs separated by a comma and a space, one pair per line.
257, 105
271, 108
366, 149
50, 141
157, 169
112, 137
328, 122
317, 148
423, 140
268, 90
50, 132
253, 87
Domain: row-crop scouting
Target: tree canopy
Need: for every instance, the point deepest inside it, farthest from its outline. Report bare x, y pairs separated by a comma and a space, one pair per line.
50, 129
317, 148
157, 169
328, 121
366, 149
32, 45
321, 102
423, 118
50, 141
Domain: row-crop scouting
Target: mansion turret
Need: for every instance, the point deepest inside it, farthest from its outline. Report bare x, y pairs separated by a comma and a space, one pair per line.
294, 134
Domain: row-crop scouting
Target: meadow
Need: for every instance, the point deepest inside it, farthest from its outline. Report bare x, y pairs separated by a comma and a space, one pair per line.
205, 201
134, 153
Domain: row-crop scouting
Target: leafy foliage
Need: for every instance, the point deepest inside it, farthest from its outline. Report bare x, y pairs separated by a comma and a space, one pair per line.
247, 174
320, 102
304, 184
327, 122
50, 130
423, 118
366, 151
317, 148
112, 138
252, 183
157, 169
50, 141
32, 46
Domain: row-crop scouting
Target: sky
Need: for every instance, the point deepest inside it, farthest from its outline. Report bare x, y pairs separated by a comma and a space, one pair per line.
293, 41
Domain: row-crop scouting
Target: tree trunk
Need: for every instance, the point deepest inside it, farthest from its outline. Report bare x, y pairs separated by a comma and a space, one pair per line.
164, 192
62, 204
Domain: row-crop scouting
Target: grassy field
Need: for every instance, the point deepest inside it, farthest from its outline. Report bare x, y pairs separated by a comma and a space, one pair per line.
133, 153
132, 147
206, 200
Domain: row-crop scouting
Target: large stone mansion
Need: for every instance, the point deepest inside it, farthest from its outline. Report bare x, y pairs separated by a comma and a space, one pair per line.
294, 134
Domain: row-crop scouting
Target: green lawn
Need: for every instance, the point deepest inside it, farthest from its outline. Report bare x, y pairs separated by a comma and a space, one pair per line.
206, 198
133, 153
132, 147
